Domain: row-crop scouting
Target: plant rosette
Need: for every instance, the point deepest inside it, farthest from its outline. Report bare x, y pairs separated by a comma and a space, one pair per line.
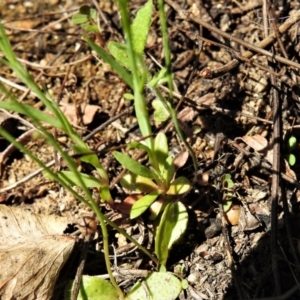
157, 189
156, 184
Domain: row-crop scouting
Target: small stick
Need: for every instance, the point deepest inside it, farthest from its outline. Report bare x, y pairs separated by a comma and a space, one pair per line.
276, 110
256, 48
78, 277
23, 139
225, 234
224, 69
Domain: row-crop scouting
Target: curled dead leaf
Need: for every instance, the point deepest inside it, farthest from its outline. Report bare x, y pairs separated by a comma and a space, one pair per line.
232, 216
33, 250
181, 159
187, 114
256, 142
247, 221
88, 113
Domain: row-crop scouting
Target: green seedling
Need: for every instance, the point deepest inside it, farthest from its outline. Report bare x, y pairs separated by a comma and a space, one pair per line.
86, 18
227, 185
157, 183
291, 146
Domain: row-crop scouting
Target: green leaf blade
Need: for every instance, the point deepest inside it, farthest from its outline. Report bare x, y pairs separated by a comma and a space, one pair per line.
134, 166
79, 19
31, 112
161, 114
291, 158
172, 225
160, 285
179, 186
92, 288
142, 204
140, 27
88, 180
161, 149
292, 143
139, 184
112, 62
119, 52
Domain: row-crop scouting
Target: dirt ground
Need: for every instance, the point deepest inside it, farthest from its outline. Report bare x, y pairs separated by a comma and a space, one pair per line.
258, 98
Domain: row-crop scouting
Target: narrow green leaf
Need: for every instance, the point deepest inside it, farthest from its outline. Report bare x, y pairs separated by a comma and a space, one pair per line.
172, 225
140, 27
88, 180
119, 52
105, 193
162, 269
142, 204
134, 166
179, 186
139, 184
160, 285
161, 149
184, 284
226, 205
169, 170
164, 232
112, 62
32, 112
138, 145
128, 96
161, 113
158, 79
141, 145
92, 159
79, 19
93, 14
181, 223
90, 28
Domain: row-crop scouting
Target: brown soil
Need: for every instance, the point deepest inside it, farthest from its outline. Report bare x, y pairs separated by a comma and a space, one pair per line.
217, 110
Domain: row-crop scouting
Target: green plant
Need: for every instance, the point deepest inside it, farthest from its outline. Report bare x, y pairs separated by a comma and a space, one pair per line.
87, 18
227, 185
291, 146
157, 182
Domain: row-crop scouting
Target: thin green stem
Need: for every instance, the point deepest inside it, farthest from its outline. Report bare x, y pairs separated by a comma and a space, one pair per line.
167, 52
140, 104
169, 103
173, 114
123, 232
102, 219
